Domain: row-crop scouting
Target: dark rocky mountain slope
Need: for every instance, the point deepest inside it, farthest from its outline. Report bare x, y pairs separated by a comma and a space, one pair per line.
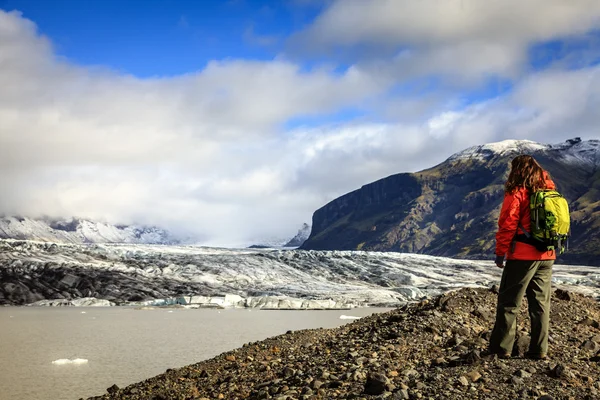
452, 209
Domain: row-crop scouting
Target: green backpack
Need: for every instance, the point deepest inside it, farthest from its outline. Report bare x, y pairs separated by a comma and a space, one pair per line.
550, 222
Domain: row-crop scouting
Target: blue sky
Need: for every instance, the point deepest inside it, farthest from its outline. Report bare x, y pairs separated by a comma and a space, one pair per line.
233, 120
164, 38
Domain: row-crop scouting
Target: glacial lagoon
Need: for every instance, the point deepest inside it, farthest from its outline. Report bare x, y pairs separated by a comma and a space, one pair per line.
67, 353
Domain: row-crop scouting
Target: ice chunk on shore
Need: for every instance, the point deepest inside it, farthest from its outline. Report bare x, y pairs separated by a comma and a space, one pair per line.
82, 302
349, 317
65, 361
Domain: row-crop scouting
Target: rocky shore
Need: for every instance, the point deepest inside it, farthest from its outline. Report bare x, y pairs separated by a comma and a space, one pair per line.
429, 350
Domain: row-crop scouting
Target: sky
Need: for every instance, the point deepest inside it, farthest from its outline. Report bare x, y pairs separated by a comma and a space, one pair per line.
233, 121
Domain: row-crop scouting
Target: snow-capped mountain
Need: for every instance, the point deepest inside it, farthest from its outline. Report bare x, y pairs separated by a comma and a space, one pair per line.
573, 151
33, 271
279, 243
300, 238
451, 209
81, 231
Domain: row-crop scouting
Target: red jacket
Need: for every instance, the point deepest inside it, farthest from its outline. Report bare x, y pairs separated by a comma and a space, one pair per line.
514, 209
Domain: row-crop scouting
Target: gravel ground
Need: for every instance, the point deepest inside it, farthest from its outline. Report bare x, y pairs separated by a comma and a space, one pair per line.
428, 350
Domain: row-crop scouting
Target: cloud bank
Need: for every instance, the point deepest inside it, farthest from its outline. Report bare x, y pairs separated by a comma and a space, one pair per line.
212, 153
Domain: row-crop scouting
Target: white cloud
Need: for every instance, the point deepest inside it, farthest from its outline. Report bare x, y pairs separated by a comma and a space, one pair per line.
457, 37
206, 152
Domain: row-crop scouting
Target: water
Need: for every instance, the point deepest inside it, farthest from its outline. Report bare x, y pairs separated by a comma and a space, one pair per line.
125, 345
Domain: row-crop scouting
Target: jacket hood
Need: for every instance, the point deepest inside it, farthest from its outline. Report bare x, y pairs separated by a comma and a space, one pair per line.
549, 182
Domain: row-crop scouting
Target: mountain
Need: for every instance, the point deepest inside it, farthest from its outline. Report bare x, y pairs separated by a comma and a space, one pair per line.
452, 209
278, 243
81, 231
300, 238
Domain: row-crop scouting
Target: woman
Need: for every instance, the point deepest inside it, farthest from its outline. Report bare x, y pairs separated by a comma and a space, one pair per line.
527, 270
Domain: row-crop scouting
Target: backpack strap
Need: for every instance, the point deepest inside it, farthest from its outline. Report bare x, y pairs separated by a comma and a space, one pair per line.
527, 234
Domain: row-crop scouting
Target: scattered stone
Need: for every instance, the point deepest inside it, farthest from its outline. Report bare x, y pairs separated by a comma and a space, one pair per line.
521, 344
473, 357
439, 361
113, 389
590, 345
376, 384
484, 313
559, 371
515, 380
411, 373
563, 295
587, 321
522, 374
474, 376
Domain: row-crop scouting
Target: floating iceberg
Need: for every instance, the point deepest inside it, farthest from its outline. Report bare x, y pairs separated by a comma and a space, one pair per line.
65, 361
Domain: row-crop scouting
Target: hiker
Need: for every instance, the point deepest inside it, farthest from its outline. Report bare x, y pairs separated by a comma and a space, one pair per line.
527, 271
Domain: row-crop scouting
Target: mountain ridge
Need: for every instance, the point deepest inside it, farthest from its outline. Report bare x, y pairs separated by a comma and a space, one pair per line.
451, 209
81, 231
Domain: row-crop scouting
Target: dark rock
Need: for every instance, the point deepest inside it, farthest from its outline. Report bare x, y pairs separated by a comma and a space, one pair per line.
455, 340
559, 371
587, 321
376, 384
590, 345
484, 313
316, 384
521, 344
401, 394
113, 389
522, 374
515, 380
563, 295
473, 357
204, 374
306, 391
288, 373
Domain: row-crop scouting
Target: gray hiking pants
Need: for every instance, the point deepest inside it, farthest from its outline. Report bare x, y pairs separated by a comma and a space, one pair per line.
519, 278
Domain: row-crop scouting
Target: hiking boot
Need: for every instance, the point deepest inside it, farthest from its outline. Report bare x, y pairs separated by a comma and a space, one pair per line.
489, 353
536, 356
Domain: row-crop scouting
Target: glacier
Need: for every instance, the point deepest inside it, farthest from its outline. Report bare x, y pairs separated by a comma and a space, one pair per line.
193, 276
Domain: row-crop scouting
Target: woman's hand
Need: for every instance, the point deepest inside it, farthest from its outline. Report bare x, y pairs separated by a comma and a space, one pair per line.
499, 261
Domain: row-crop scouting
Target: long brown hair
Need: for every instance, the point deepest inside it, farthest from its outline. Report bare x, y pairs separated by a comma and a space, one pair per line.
524, 171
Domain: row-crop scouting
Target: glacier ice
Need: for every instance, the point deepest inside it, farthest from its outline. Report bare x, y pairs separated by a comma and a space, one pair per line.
349, 317
66, 361
193, 277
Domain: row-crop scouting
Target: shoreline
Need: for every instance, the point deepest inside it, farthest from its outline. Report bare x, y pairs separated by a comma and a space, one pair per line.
431, 348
